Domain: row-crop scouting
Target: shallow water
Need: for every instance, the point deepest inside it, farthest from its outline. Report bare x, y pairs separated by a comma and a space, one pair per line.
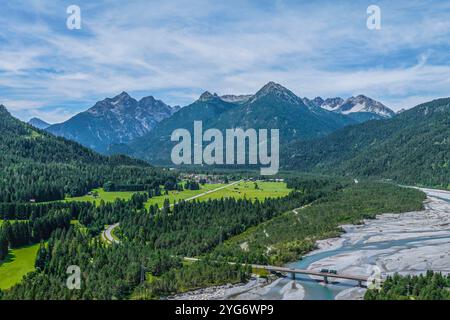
315, 290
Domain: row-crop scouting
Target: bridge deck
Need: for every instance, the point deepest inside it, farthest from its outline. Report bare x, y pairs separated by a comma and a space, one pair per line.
311, 272
301, 271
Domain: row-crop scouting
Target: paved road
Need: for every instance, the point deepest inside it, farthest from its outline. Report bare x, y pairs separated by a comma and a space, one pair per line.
209, 191
106, 234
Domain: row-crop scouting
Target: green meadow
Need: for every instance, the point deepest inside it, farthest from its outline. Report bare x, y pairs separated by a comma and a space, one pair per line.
175, 196
103, 195
246, 189
17, 264
251, 190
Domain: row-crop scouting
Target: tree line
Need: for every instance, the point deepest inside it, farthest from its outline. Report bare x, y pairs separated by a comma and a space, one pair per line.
428, 286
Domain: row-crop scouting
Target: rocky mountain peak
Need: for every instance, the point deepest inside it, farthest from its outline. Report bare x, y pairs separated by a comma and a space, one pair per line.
331, 104
362, 103
318, 101
114, 120
277, 91
206, 96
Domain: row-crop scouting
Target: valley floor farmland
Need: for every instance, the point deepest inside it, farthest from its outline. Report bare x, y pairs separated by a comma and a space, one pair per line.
245, 189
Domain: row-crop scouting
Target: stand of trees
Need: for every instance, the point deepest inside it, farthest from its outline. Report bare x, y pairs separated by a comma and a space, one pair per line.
39, 166
152, 238
429, 286
28, 211
191, 185
285, 238
22, 233
24, 181
193, 228
155, 239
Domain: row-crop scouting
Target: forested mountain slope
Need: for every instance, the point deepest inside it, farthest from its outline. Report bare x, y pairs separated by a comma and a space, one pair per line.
156, 145
37, 165
413, 147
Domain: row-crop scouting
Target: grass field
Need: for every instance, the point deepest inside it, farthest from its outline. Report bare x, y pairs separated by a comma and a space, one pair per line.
103, 195
175, 196
18, 263
238, 191
248, 190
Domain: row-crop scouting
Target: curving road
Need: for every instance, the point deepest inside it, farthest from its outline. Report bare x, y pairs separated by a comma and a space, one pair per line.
107, 236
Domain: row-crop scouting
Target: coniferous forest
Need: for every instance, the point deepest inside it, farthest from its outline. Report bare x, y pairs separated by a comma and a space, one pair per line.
429, 286
39, 171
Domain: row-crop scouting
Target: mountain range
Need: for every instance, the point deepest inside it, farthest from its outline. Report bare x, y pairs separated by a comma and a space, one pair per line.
125, 125
113, 120
412, 147
272, 107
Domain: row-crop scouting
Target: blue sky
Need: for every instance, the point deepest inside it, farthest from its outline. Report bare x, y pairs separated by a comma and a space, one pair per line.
175, 50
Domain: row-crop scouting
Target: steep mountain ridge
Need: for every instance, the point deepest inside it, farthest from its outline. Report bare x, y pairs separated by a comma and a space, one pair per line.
412, 147
113, 120
272, 107
360, 108
37, 166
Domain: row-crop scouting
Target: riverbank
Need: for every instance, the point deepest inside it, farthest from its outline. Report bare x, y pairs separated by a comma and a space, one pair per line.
405, 243
256, 288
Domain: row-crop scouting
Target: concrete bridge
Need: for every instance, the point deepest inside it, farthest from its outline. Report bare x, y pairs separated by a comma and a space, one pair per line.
294, 271
325, 275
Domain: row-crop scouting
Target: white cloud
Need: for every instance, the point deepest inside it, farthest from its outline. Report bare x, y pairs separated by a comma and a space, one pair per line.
181, 48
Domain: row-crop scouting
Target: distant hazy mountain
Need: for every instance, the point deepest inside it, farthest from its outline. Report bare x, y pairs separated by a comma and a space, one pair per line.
412, 147
38, 123
360, 108
113, 120
272, 107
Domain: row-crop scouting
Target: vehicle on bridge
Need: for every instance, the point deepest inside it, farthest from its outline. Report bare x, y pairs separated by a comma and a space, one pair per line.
328, 271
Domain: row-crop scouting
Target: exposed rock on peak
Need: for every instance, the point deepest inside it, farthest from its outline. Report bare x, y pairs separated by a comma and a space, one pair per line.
239, 99
114, 120
206, 96
276, 91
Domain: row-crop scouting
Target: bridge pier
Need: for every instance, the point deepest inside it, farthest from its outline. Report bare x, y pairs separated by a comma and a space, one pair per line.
293, 276
325, 279
360, 284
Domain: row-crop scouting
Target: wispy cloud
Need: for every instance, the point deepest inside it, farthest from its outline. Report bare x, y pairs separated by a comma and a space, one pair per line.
176, 49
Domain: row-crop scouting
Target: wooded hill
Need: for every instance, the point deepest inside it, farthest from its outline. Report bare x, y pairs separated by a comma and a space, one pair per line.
413, 147
37, 165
